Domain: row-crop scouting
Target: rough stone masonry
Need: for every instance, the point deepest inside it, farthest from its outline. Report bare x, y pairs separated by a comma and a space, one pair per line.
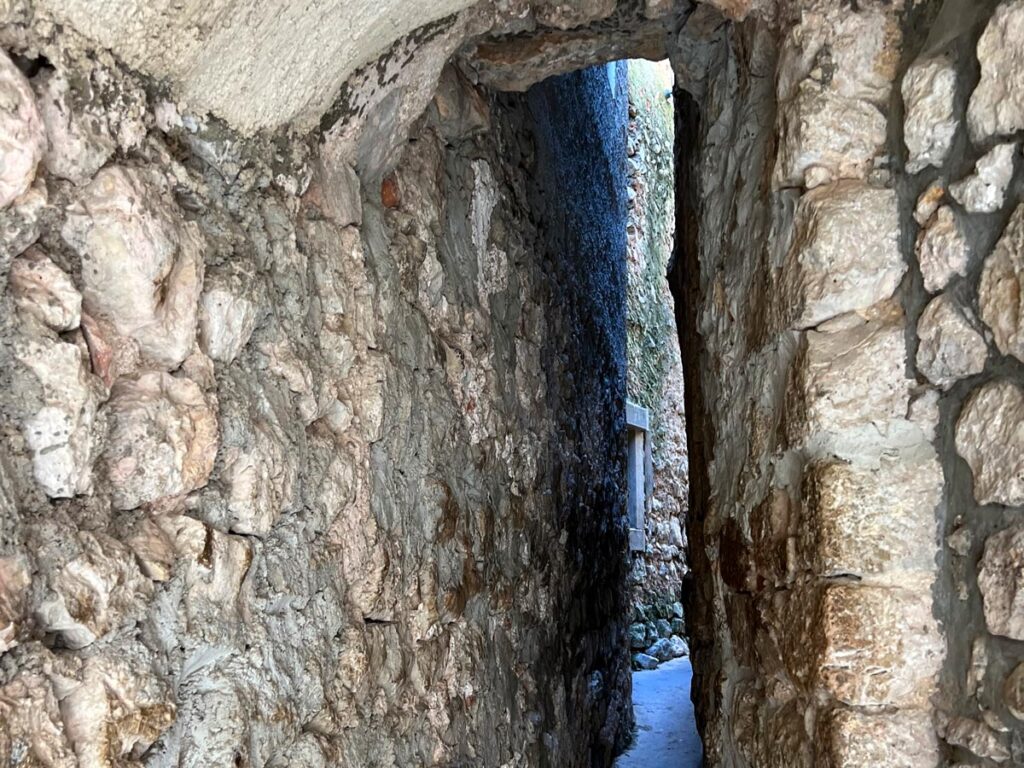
313, 360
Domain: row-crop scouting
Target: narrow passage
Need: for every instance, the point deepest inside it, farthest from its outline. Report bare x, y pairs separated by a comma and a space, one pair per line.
666, 735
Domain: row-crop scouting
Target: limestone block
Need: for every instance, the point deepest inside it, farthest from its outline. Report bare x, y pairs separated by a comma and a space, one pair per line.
1001, 581
14, 583
142, 263
928, 203
825, 137
974, 736
78, 143
990, 437
825, 275
1002, 286
643, 661
985, 190
22, 138
566, 14
853, 739
929, 89
1013, 692
941, 249
227, 310
213, 582
31, 717
874, 524
950, 348
878, 646
997, 104
43, 290
162, 439
59, 430
21, 224
90, 593
159, 540
847, 379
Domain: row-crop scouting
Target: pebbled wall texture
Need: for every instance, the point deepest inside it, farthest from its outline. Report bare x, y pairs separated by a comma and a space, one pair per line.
314, 357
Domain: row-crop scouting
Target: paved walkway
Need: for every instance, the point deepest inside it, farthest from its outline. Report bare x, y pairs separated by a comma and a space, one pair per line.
666, 735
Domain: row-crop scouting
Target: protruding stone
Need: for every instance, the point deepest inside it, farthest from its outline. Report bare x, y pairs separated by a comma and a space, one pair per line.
874, 524
941, 250
990, 437
227, 312
853, 739
59, 431
928, 203
162, 440
21, 224
142, 266
1001, 581
14, 583
22, 139
848, 379
951, 348
643, 661
1013, 692
985, 190
77, 144
974, 736
997, 104
43, 290
1002, 286
825, 277
929, 89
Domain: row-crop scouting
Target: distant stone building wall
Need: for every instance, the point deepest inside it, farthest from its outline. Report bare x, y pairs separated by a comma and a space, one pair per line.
655, 378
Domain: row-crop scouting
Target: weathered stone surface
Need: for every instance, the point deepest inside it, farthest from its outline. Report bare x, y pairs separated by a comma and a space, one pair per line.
984, 191
848, 379
162, 440
997, 104
21, 222
77, 144
877, 525
1013, 692
990, 437
950, 348
831, 126
643, 661
1001, 580
1002, 288
30, 709
878, 646
227, 310
14, 583
929, 88
823, 276
941, 249
974, 736
22, 139
43, 290
854, 739
142, 266
58, 429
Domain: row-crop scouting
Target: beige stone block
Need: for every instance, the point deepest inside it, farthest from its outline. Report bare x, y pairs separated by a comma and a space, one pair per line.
78, 143
162, 439
941, 249
975, 736
1002, 286
227, 310
1001, 581
997, 104
990, 437
984, 191
845, 254
142, 263
929, 89
22, 139
874, 524
1013, 692
878, 647
950, 346
853, 739
847, 379
43, 290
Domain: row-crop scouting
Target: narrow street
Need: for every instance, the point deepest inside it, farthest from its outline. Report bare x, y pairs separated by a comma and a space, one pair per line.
666, 735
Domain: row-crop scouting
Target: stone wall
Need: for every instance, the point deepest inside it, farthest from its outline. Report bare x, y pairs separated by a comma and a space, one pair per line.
847, 183
298, 472
655, 376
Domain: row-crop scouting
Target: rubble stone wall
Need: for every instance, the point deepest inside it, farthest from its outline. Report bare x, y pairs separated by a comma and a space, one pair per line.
849, 189
303, 472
